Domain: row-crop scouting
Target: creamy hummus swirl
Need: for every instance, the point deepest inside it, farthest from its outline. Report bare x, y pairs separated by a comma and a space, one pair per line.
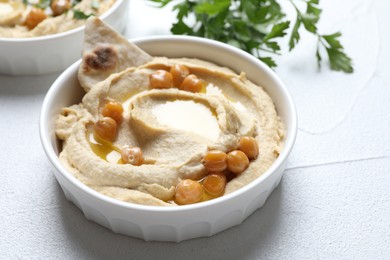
240, 108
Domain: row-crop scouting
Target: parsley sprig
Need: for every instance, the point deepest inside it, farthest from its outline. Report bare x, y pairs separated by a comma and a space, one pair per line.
256, 26
80, 15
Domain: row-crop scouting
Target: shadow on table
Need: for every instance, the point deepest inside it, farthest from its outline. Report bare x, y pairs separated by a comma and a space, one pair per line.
89, 240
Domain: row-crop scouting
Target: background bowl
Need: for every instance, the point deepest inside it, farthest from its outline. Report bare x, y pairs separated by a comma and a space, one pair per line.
171, 223
51, 53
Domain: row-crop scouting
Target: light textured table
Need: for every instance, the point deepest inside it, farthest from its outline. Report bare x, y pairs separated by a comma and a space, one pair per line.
333, 201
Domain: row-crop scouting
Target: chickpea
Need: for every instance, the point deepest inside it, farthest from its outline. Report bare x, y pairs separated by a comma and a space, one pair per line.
237, 161
214, 183
215, 161
188, 192
161, 79
192, 83
132, 155
114, 110
34, 17
179, 72
249, 146
106, 128
60, 6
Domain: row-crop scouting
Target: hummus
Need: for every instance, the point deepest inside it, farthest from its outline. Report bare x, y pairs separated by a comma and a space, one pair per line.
32, 18
174, 128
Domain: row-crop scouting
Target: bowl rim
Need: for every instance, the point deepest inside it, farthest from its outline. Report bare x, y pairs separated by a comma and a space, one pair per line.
61, 34
54, 159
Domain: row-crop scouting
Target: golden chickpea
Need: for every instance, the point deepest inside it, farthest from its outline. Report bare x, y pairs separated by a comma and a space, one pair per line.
214, 183
114, 110
161, 79
60, 6
237, 161
192, 83
179, 72
215, 161
249, 146
132, 155
106, 128
188, 192
34, 17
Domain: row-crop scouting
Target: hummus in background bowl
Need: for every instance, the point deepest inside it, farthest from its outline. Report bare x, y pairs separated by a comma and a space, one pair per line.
32, 46
22, 19
174, 127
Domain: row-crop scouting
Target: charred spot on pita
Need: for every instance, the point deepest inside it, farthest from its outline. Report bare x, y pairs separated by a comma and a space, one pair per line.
101, 58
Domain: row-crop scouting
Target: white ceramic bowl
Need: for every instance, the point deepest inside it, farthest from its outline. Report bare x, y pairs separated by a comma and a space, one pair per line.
56, 52
171, 223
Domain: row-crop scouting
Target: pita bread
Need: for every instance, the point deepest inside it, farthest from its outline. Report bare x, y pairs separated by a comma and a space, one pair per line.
106, 52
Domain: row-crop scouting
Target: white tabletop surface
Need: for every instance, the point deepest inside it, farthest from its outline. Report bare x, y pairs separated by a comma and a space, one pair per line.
333, 201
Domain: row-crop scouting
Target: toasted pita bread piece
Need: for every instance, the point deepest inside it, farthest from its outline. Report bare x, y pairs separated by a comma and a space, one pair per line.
106, 52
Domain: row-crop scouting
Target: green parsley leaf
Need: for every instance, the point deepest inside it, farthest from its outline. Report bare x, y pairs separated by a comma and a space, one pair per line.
339, 61
212, 7
181, 28
182, 10
242, 28
269, 61
314, 10
274, 46
333, 41
261, 11
80, 15
278, 30
309, 21
295, 37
